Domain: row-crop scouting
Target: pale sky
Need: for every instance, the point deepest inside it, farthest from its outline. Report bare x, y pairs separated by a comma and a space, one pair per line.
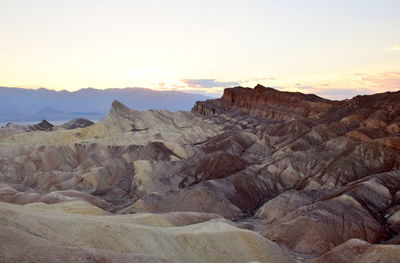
334, 48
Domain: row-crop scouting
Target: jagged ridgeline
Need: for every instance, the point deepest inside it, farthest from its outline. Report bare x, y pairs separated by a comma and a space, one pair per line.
257, 175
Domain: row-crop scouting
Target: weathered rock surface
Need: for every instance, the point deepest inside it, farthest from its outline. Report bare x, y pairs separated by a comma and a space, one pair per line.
266, 102
46, 233
305, 172
77, 123
359, 251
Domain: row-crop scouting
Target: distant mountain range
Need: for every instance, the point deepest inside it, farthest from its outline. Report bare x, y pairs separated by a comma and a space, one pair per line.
17, 104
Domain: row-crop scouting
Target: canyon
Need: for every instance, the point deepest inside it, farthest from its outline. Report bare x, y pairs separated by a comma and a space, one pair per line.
259, 175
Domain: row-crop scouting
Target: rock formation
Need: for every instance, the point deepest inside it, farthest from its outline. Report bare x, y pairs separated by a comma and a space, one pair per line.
77, 123
320, 178
83, 234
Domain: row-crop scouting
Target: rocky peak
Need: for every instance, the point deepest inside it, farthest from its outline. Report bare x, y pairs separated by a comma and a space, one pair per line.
124, 118
119, 108
43, 125
77, 123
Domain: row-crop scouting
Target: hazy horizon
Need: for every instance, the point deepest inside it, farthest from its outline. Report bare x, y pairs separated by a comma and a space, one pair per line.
206, 95
212, 95
18, 104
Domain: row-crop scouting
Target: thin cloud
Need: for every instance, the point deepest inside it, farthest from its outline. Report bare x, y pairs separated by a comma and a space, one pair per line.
209, 83
396, 48
384, 81
356, 84
333, 93
209, 92
344, 93
257, 79
306, 88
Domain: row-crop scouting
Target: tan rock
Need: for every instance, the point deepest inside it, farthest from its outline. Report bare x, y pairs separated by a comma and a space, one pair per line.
204, 242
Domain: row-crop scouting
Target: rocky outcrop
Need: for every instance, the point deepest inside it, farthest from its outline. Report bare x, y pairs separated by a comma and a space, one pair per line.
77, 123
41, 126
267, 103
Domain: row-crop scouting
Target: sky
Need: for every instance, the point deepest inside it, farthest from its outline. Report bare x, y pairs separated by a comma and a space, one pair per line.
334, 48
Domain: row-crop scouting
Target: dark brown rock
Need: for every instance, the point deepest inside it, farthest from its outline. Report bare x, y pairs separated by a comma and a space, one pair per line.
77, 123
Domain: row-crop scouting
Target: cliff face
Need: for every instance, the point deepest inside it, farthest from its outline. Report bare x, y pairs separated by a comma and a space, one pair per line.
373, 111
267, 103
